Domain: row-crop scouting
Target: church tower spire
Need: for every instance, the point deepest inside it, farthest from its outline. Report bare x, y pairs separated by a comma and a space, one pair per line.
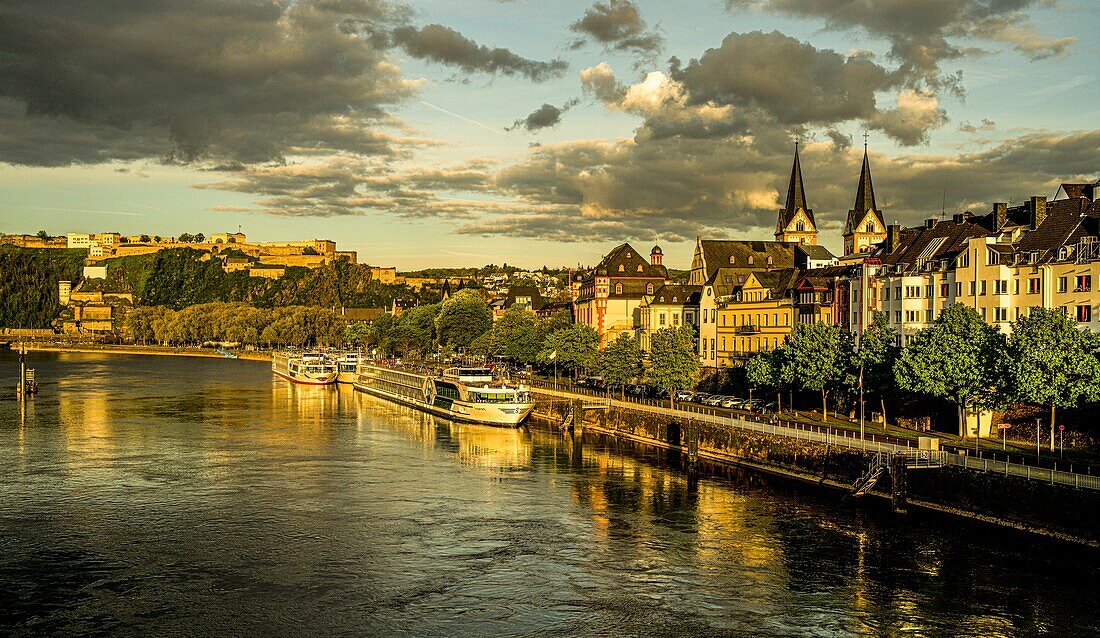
796, 219
864, 226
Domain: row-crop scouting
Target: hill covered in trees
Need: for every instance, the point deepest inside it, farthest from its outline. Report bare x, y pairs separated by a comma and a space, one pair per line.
179, 278
28, 283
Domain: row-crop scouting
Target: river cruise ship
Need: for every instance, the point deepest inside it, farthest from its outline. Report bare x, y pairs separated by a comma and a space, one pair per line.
347, 367
467, 395
308, 368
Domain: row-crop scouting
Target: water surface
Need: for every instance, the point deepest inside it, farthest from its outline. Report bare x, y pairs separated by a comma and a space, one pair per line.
145, 496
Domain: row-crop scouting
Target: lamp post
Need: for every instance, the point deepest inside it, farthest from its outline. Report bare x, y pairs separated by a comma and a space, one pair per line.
1061, 443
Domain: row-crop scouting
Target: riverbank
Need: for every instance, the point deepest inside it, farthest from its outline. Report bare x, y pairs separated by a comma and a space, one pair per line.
1034, 506
143, 350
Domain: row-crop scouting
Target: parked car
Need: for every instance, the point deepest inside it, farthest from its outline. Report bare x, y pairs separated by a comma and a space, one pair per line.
682, 395
732, 402
714, 400
661, 393
770, 406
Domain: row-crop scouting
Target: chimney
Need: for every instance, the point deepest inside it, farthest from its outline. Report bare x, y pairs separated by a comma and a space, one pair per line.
893, 237
1038, 209
1000, 214
930, 222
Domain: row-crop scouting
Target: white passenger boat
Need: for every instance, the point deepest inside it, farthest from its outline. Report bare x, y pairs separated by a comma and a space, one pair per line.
347, 365
308, 368
468, 395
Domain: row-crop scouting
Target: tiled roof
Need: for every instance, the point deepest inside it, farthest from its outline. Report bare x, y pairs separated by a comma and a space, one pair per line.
1061, 226
917, 243
823, 278
718, 253
625, 261
677, 294
816, 252
524, 291
779, 281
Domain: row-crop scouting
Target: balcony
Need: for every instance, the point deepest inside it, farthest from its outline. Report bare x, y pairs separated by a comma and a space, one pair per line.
747, 329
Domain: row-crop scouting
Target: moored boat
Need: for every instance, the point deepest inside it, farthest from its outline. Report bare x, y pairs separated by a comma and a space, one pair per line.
308, 368
347, 365
468, 395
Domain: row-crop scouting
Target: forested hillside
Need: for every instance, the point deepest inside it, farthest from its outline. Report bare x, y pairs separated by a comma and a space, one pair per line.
179, 278
28, 284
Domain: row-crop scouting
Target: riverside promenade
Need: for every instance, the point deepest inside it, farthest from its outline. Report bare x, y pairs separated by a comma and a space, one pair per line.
1055, 503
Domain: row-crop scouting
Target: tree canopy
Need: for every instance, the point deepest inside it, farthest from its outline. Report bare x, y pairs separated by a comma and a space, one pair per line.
1052, 362
574, 348
959, 358
622, 361
819, 358
462, 318
673, 362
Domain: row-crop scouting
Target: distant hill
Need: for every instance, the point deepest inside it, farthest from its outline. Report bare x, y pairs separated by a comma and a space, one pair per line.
28, 283
182, 277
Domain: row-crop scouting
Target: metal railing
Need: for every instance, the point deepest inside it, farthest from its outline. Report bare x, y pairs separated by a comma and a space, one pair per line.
848, 439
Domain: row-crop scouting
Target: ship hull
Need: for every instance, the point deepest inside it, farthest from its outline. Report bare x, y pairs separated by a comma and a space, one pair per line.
412, 392
305, 380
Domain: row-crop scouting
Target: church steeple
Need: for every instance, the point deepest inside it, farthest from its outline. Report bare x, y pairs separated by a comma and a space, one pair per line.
865, 193
796, 220
864, 226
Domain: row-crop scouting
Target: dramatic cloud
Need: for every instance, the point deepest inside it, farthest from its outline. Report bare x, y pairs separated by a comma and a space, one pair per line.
617, 24
986, 126
919, 30
916, 114
544, 116
247, 82
792, 80
442, 44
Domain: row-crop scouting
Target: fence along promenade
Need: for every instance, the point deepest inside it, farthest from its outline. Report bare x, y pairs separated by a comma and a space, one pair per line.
832, 436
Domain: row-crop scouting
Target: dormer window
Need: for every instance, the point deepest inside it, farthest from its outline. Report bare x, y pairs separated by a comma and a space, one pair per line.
750, 260
622, 268
618, 289
1063, 253
770, 260
649, 289
639, 268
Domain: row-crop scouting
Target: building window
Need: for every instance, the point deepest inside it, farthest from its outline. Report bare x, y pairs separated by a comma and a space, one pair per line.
1015, 286
622, 268
897, 292
928, 290
750, 260
1002, 314
973, 288
897, 316
618, 289
945, 290
984, 314
649, 289
870, 227
928, 316
800, 226
958, 289
1084, 283
983, 287
1084, 314
1063, 284
1001, 286
1033, 285
661, 319
675, 319
911, 316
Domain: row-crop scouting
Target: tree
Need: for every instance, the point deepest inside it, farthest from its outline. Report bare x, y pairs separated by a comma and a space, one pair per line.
574, 348
819, 358
959, 358
877, 354
43, 234
357, 333
198, 238
514, 336
621, 361
673, 362
144, 239
768, 369
186, 238
1052, 362
463, 318
560, 319
414, 331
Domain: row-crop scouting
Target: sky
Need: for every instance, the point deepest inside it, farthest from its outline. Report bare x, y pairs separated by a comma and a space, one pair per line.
432, 133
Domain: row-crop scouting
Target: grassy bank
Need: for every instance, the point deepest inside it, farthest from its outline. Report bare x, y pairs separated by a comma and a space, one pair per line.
144, 350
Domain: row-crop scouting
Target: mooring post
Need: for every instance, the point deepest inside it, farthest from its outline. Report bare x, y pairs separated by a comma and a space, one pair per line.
899, 498
22, 389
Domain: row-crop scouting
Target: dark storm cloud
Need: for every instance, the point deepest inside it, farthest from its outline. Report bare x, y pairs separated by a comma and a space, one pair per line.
217, 82
617, 24
242, 81
919, 30
444, 45
793, 80
544, 116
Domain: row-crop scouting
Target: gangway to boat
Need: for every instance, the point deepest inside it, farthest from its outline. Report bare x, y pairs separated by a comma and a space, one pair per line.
909, 460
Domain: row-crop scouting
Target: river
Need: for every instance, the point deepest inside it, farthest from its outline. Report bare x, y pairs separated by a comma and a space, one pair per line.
157, 496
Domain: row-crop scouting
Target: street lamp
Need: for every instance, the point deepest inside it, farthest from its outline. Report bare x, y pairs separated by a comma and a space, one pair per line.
1036, 441
1061, 444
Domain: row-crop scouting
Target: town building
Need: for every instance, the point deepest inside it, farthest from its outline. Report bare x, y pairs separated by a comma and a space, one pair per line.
864, 227
752, 315
608, 298
671, 305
